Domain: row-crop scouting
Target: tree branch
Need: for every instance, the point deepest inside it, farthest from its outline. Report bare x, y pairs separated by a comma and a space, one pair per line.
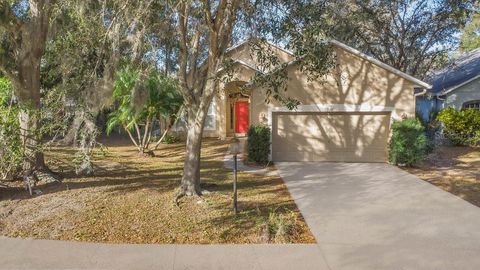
183, 12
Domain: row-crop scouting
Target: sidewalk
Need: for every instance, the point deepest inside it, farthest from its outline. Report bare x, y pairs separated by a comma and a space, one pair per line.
47, 254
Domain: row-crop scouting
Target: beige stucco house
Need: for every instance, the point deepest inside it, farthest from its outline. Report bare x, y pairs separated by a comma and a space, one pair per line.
343, 117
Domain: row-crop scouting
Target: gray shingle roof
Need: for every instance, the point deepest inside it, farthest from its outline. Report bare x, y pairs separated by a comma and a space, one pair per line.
462, 69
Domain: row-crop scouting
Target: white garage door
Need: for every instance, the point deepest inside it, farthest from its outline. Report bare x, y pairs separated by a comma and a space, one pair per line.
343, 137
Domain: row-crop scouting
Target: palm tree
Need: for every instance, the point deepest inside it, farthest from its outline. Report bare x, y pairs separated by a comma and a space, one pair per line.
140, 103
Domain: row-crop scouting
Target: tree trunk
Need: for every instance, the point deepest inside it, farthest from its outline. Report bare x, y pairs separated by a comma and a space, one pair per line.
33, 156
28, 91
190, 184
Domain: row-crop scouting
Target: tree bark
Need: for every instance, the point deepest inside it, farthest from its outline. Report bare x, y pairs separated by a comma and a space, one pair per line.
29, 37
28, 91
198, 82
190, 184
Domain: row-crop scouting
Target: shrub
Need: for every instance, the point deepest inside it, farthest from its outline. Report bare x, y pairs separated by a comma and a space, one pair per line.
408, 144
169, 139
279, 227
432, 128
461, 127
258, 144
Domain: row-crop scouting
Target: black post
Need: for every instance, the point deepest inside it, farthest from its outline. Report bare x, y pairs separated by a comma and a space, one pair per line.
235, 209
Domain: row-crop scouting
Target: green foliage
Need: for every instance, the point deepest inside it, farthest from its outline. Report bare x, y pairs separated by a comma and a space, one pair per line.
162, 98
170, 139
6, 91
470, 39
408, 144
374, 27
11, 150
140, 101
258, 144
461, 127
432, 126
124, 114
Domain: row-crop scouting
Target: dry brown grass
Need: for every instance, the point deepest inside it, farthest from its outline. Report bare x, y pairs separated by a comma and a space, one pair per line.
454, 169
130, 200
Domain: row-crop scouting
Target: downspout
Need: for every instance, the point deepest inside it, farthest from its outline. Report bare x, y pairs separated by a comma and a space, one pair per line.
438, 98
415, 95
424, 91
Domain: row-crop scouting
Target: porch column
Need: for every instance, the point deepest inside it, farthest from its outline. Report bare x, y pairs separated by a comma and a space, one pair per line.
222, 113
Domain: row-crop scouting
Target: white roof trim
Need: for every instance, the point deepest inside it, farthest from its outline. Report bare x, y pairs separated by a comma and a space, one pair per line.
243, 64
280, 48
247, 65
364, 107
380, 63
444, 92
234, 47
268, 42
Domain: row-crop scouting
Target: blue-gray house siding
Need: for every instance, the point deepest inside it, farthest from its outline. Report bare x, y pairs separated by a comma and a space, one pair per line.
455, 76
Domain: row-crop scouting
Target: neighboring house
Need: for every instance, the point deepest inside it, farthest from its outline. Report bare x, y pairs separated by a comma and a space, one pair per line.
457, 85
345, 116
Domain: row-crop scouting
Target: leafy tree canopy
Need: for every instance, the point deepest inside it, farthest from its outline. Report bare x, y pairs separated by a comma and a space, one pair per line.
470, 39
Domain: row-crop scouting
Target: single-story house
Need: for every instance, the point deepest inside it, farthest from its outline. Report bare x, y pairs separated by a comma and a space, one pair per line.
344, 117
457, 86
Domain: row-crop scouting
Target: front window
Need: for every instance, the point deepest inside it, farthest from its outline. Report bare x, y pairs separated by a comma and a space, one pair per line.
475, 104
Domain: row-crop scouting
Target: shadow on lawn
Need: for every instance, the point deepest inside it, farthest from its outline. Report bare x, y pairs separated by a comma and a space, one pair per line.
121, 170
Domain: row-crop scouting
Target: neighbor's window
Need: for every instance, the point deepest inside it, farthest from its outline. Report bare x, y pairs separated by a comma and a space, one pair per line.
475, 104
210, 120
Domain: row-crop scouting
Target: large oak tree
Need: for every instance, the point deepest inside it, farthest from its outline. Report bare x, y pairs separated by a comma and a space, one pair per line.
24, 27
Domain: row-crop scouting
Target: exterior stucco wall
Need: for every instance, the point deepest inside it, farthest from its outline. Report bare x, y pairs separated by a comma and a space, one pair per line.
355, 85
356, 82
465, 93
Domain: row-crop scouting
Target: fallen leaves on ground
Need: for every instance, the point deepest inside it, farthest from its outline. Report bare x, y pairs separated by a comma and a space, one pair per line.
130, 200
454, 169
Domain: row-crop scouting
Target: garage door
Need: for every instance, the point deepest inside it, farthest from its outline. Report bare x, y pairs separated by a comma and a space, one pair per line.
345, 137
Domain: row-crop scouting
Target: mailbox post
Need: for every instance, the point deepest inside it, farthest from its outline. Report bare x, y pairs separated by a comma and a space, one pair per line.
235, 150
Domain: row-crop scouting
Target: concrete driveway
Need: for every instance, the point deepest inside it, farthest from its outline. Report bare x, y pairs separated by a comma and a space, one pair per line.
376, 216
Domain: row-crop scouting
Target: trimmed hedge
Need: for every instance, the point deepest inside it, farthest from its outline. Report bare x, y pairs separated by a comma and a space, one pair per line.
461, 127
408, 144
258, 143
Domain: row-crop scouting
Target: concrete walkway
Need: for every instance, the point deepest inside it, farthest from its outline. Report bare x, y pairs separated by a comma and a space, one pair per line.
46, 254
376, 216
229, 163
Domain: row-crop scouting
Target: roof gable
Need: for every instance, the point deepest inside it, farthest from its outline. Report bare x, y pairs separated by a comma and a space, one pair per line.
461, 71
380, 64
289, 58
242, 54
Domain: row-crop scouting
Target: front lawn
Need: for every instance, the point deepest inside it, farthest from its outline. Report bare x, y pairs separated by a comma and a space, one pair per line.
130, 200
454, 169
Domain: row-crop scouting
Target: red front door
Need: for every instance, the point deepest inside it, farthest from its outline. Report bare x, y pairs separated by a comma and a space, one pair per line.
241, 117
